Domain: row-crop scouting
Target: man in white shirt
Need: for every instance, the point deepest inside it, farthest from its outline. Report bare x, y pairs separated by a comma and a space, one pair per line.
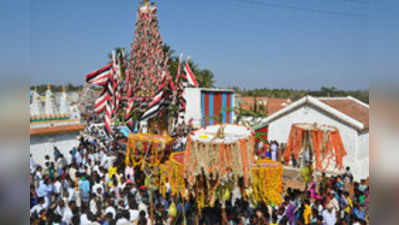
32, 164
45, 189
124, 219
133, 212
60, 208
72, 172
329, 215
98, 189
334, 201
37, 208
67, 216
84, 220
58, 186
38, 176
110, 208
129, 173
143, 207
78, 157
273, 148
72, 193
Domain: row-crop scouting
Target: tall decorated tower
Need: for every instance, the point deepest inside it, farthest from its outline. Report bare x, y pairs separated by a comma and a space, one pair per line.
147, 60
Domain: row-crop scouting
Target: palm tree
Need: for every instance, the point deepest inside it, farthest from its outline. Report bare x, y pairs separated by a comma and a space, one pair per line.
205, 78
167, 50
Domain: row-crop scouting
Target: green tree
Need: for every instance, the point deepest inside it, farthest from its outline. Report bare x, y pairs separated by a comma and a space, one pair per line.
205, 77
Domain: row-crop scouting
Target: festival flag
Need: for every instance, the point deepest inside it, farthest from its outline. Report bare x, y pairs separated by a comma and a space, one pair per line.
188, 75
107, 119
178, 69
101, 76
100, 103
151, 111
129, 108
116, 66
156, 102
171, 85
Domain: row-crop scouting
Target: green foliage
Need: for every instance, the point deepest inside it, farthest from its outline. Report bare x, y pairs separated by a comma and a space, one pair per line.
261, 136
205, 77
41, 88
294, 94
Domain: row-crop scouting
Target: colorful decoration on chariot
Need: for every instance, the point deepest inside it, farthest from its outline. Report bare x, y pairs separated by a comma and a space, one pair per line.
323, 141
147, 62
172, 172
147, 149
221, 150
109, 77
143, 81
267, 178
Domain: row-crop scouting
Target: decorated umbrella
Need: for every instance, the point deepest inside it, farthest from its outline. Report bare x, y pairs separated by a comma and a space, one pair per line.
216, 157
221, 150
322, 143
264, 176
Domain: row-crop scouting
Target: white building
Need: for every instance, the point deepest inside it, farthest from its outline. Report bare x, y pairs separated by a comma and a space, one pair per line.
53, 122
349, 115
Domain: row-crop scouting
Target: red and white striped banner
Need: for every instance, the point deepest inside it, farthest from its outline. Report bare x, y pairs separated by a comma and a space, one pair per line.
188, 75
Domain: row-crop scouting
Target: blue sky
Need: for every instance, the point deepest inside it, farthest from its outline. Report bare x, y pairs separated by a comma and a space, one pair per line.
348, 44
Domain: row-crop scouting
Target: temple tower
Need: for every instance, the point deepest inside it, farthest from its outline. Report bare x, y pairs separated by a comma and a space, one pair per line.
49, 105
64, 103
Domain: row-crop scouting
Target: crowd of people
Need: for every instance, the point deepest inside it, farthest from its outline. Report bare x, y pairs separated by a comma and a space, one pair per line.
93, 186
274, 151
270, 149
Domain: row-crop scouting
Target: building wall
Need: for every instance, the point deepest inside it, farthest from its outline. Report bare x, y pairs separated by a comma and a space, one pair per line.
363, 155
43, 145
193, 105
215, 104
217, 100
279, 130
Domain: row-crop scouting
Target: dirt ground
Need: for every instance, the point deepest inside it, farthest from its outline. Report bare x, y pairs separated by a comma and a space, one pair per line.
292, 179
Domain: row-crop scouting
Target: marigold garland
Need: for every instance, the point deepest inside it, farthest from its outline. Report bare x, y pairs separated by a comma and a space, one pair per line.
267, 179
326, 142
138, 144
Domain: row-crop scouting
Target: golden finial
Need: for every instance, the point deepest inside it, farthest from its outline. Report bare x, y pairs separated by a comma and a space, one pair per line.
63, 89
48, 86
145, 7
